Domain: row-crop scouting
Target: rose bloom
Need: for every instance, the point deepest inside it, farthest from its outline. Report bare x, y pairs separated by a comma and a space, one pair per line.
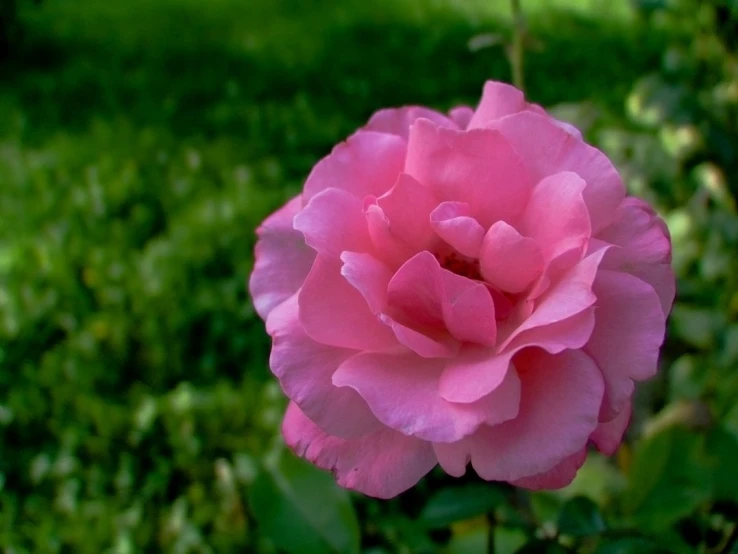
464, 288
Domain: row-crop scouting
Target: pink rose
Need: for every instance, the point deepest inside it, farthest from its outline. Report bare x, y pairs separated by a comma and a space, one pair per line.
465, 288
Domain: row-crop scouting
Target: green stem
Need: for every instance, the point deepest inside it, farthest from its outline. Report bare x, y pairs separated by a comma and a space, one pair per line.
518, 46
491, 536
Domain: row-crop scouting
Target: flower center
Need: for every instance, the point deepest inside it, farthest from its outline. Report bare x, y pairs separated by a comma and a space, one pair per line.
461, 265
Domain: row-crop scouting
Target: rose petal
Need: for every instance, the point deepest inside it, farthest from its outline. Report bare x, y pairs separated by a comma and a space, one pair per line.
558, 477
627, 337
382, 464
333, 222
451, 222
282, 259
305, 369
555, 150
561, 396
498, 100
557, 217
428, 344
643, 248
478, 167
402, 392
424, 294
397, 121
386, 244
369, 276
461, 115
563, 318
367, 163
609, 434
334, 313
407, 206
509, 261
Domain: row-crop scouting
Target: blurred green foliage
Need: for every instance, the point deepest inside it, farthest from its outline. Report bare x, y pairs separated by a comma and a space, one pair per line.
140, 145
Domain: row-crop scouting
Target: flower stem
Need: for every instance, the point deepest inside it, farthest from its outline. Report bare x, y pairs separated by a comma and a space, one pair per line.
491, 536
518, 46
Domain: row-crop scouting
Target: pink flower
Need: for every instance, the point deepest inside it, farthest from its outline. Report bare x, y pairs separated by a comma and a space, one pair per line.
465, 288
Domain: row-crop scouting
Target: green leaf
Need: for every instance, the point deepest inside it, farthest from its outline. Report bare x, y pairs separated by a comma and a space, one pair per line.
630, 545
669, 478
722, 447
541, 547
473, 541
459, 503
580, 517
302, 510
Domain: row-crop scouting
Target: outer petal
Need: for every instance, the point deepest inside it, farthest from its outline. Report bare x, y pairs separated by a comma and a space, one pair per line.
397, 121
627, 337
643, 248
283, 260
558, 477
509, 261
334, 313
451, 222
333, 221
555, 150
402, 392
407, 207
478, 167
305, 369
367, 163
498, 100
462, 116
561, 397
382, 464
608, 435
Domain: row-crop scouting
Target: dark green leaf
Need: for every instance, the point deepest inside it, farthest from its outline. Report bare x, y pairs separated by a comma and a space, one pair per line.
630, 545
541, 547
460, 503
302, 510
669, 478
580, 517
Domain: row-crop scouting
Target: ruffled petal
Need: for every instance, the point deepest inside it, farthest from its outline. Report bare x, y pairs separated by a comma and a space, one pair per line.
609, 434
333, 221
642, 248
509, 261
558, 477
334, 313
557, 217
407, 207
423, 294
563, 318
397, 121
498, 100
555, 150
461, 115
387, 245
452, 223
402, 392
627, 336
369, 276
305, 370
561, 396
366, 163
282, 259
382, 464
478, 167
